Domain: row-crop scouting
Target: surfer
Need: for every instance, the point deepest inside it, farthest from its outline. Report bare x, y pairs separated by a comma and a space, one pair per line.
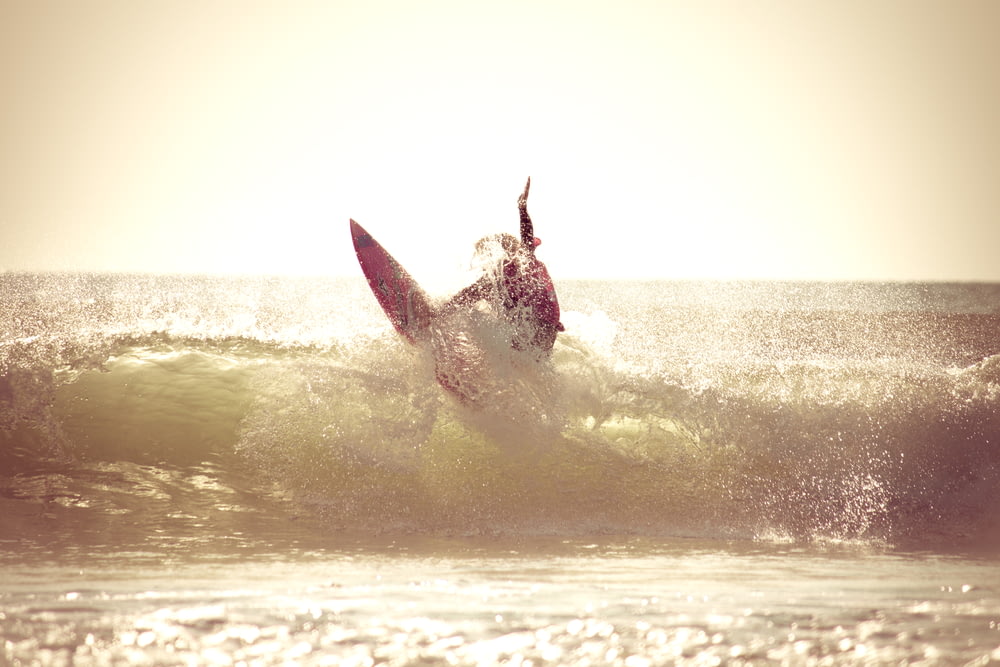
516, 284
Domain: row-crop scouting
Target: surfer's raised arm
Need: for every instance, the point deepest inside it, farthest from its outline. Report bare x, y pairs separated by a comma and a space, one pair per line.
527, 229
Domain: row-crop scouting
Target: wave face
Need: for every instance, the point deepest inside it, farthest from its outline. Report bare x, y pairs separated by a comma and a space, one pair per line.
764, 410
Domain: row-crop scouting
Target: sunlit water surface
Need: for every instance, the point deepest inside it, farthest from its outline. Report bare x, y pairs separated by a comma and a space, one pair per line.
513, 601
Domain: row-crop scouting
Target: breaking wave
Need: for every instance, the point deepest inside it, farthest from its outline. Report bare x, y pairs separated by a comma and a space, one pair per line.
678, 419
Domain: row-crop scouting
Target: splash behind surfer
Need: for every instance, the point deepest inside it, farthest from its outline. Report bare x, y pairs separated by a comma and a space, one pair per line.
516, 284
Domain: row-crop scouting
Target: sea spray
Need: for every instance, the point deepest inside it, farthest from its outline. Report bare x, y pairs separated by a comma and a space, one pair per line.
802, 412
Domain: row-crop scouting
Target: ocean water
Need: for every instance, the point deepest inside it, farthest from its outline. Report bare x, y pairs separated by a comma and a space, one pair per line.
256, 470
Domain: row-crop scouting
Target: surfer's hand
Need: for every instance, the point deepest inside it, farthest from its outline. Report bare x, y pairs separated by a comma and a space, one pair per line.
522, 201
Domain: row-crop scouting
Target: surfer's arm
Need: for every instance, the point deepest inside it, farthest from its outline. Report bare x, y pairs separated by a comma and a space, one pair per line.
467, 296
527, 229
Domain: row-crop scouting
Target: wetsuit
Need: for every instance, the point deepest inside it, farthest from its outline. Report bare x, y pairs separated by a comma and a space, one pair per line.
522, 287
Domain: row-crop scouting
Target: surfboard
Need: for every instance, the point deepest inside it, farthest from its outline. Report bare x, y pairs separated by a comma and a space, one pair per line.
463, 365
402, 299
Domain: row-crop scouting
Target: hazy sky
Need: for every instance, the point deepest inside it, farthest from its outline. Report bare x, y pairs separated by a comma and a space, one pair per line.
793, 139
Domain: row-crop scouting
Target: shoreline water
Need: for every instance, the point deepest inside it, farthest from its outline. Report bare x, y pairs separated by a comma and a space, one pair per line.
475, 601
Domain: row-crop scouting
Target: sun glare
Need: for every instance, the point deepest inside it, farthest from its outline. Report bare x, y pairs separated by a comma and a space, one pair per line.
663, 140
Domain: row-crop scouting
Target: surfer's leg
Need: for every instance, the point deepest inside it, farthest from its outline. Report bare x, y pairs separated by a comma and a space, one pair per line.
545, 337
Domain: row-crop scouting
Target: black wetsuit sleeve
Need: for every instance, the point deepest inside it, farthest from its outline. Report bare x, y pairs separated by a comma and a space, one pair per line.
527, 229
